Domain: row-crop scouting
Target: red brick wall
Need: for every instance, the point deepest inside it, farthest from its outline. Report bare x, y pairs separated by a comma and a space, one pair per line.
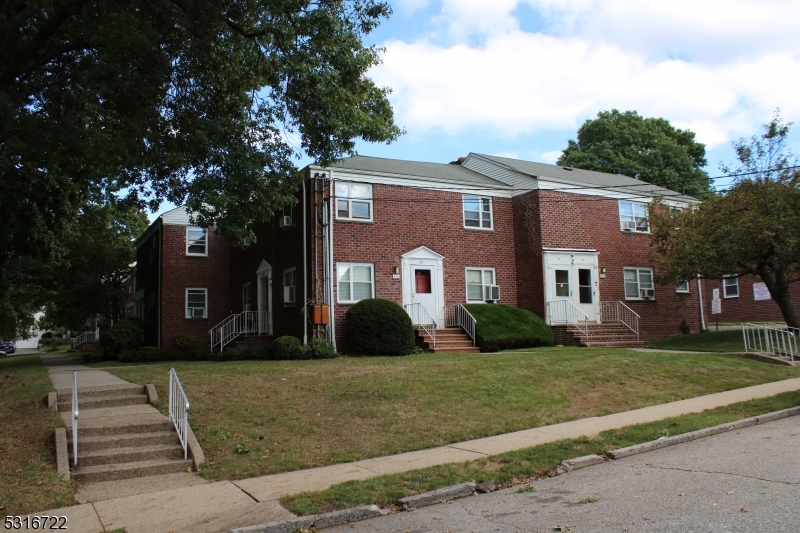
528, 260
579, 221
744, 308
180, 271
406, 218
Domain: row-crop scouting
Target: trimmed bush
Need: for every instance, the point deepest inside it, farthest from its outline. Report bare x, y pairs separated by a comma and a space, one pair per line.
123, 335
502, 327
287, 348
320, 349
154, 355
187, 341
379, 327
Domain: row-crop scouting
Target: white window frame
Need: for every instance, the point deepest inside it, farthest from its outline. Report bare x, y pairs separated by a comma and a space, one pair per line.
247, 296
467, 284
725, 279
679, 289
188, 243
290, 290
371, 281
481, 200
633, 216
343, 198
187, 313
639, 287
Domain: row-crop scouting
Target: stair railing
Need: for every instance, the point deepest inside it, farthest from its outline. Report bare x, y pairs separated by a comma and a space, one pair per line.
86, 336
457, 315
244, 323
777, 341
619, 312
422, 318
75, 418
179, 410
566, 312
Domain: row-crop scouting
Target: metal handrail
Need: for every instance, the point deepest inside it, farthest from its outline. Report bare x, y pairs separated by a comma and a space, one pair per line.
244, 323
179, 410
566, 312
422, 318
75, 418
777, 341
457, 315
86, 336
617, 311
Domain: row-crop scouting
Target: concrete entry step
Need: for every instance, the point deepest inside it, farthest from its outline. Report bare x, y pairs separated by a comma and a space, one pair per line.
102, 401
130, 455
100, 392
127, 440
93, 474
85, 431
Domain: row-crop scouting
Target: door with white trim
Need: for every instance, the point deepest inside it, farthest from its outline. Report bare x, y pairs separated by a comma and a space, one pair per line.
423, 288
572, 276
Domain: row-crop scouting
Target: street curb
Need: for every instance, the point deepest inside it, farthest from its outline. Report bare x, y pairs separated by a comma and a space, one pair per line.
700, 433
152, 395
335, 518
437, 496
578, 462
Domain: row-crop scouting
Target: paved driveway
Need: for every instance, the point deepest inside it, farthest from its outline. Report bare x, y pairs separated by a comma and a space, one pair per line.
742, 481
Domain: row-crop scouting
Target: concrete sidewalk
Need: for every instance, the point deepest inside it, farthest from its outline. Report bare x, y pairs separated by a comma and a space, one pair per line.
213, 507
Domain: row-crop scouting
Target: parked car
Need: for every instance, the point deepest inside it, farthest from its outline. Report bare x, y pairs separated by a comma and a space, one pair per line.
8, 347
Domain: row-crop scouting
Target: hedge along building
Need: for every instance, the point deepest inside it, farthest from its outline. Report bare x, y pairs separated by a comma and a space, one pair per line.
567, 244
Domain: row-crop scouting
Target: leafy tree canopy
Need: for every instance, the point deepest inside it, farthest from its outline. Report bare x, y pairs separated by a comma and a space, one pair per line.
649, 149
754, 229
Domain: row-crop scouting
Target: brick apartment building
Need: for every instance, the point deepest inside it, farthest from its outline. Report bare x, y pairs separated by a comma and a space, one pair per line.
566, 244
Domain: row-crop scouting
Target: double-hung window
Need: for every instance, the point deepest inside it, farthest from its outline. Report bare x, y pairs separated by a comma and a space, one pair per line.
196, 303
353, 201
682, 286
290, 286
196, 241
730, 287
639, 284
356, 282
476, 279
477, 212
247, 297
633, 217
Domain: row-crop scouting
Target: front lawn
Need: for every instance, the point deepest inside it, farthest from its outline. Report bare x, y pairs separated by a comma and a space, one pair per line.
710, 341
28, 478
262, 417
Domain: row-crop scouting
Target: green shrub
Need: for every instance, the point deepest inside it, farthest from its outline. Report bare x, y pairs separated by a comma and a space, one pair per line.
320, 349
154, 355
379, 327
287, 348
123, 335
502, 327
188, 341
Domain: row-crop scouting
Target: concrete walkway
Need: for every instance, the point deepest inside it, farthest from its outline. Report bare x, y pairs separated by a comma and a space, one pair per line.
214, 507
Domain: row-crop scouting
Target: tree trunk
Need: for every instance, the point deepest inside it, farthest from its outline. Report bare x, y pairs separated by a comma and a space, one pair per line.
779, 290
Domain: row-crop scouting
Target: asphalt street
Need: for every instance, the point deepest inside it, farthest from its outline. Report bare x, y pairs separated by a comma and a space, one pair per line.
746, 480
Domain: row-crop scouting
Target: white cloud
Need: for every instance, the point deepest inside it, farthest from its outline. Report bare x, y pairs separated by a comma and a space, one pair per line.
547, 157
510, 155
410, 6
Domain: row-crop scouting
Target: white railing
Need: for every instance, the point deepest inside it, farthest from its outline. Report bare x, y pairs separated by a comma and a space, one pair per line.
566, 312
619, 312
457, 315
179, 410
774, 340
422, 318
244, 323
74, 418
86, 336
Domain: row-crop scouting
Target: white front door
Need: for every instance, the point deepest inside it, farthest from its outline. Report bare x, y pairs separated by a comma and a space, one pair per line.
572, 276
422, 285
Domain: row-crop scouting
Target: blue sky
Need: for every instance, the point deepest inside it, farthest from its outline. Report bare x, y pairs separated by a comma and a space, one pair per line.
518, 77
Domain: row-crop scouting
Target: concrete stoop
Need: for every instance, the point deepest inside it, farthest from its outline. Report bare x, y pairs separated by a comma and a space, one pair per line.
447, 340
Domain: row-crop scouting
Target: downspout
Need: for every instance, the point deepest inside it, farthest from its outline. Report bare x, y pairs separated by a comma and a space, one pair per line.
160, 262
700, 297
331, 273
305, 271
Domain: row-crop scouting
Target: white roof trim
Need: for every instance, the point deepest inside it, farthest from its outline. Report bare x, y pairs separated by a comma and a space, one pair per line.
423, 252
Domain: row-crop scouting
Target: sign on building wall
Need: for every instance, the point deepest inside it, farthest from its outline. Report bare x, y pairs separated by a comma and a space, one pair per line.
716, 306
761, 292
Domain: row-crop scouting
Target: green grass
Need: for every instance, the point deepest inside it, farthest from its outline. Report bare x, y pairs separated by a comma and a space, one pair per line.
302, 414
28, 478
502, 327
521, 466
710, 341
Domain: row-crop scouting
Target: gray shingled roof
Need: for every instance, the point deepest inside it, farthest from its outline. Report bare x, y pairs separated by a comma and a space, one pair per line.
587, 177
442, 172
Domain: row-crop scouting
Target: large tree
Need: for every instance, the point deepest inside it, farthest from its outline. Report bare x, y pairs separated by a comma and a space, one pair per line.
207, 103
753, 229
648, 149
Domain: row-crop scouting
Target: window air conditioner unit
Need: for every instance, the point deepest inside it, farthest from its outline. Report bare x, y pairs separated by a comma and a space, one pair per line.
647, 294
286, 222
198, 312
628, 225
491, 293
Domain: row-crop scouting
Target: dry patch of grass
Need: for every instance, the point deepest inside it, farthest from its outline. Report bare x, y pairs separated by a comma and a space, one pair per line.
28, 478
262, 417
